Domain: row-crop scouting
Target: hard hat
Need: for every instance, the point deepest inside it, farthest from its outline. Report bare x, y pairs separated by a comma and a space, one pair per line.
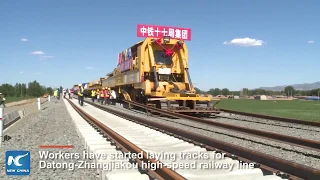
108, 88
103, 88
79, 84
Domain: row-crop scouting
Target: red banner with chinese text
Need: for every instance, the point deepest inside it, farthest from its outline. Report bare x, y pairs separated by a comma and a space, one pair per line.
144, 30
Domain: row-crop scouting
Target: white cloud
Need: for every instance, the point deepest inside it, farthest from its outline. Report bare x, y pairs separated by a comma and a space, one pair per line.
21, 72
90, 68
245, 42
311, 42
24, 39
37, 53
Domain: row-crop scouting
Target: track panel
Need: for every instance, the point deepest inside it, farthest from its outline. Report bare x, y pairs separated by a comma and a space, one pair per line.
95, 143
155, 142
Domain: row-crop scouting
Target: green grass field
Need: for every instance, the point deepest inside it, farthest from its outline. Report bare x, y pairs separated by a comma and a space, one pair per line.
297, 109
14, 99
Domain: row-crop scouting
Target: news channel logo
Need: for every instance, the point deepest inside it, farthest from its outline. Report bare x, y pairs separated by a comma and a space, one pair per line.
18, 163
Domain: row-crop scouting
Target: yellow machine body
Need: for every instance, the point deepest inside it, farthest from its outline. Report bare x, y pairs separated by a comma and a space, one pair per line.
151, 74
96, 84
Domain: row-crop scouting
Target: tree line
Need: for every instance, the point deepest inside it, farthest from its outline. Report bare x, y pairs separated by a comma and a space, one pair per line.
34, 89
288, 91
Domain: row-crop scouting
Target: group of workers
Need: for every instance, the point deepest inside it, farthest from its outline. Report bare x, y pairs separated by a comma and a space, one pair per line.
56, 93
102, 96
67, 91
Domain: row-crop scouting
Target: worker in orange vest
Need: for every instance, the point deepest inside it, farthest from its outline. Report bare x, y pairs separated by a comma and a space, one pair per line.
102, 95
107, 97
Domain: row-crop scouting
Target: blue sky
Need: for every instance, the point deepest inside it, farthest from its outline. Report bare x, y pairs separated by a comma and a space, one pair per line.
80, 39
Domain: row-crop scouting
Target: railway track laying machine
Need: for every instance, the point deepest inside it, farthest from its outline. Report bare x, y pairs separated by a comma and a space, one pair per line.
155, 72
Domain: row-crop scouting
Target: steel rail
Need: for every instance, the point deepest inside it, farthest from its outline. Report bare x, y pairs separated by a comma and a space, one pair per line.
274, 118
295, 141
267, 162
125, 145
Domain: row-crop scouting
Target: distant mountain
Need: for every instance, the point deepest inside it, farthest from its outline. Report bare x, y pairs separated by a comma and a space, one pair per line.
305, 86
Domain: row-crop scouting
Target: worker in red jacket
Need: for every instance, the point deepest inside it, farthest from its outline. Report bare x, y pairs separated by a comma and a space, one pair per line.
102, 93
107, 97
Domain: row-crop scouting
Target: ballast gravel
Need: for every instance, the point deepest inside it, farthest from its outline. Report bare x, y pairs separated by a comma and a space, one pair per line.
51, 126
296, 154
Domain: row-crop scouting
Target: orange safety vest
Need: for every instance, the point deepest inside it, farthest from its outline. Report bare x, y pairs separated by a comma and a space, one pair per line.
102, 93
107, 94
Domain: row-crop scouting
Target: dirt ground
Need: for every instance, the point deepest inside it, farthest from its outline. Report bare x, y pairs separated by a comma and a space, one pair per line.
29, 105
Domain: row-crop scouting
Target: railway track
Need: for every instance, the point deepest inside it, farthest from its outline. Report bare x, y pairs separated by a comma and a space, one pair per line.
252, 136
273, 118
267, 163
235, 119
294, 141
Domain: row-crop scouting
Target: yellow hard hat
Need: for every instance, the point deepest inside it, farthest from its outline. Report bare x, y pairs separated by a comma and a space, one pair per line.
108, 88
79, 84
103, 88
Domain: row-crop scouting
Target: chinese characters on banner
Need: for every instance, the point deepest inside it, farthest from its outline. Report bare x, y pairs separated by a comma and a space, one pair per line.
160, 31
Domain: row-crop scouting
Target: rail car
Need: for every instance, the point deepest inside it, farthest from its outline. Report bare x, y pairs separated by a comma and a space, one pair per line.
75, 89
86, 86
156, 72
96, 84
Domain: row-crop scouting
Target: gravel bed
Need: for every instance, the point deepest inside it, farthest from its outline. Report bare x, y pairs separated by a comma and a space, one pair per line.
269, 127
52, 126
242, 118
296, 154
